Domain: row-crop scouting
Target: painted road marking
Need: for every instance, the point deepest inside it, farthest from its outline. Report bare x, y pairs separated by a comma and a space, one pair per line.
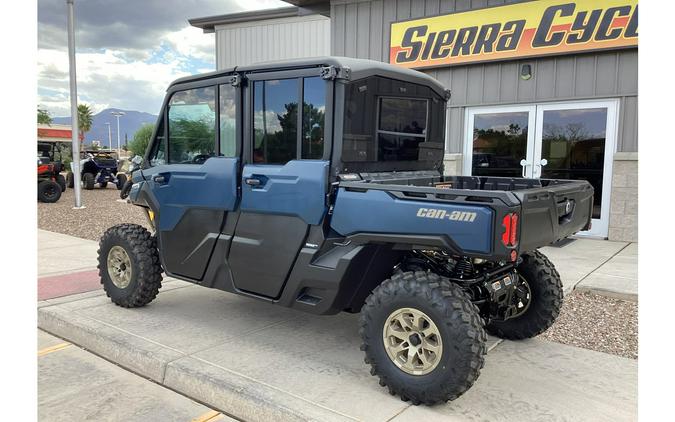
209, 416
48, 350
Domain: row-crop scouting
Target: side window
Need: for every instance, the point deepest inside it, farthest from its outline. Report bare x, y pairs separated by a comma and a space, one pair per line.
276, 138
275, 121
228, 121
157, 155
192, 126
401, 128
313, 122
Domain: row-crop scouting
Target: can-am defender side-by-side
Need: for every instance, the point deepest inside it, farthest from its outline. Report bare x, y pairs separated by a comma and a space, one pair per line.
317, 184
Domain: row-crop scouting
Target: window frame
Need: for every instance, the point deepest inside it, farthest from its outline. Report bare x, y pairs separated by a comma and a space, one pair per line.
300, 75
205, 83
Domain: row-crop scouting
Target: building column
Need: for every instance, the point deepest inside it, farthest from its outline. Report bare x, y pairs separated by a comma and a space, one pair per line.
623, 211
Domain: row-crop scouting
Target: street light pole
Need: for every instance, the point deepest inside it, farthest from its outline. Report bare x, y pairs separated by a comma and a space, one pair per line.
73, 105
109, 136
118, 114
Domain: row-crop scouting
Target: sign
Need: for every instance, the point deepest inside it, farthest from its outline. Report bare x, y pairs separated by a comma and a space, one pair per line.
529, 29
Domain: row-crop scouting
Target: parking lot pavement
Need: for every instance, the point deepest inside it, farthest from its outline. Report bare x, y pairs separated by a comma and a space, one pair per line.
618, 277
75, 385
61, 254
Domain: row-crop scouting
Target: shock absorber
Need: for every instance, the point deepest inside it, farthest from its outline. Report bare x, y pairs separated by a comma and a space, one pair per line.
464, 269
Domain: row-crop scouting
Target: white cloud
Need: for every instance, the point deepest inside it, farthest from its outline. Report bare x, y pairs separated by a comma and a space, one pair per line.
192, 42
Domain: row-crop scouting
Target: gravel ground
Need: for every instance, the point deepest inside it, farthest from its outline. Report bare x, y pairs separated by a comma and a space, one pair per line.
102, 211
587, 320
597, 323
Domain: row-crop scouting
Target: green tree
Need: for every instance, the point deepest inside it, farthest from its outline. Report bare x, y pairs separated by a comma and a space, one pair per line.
84, 118
141, 139
43, 116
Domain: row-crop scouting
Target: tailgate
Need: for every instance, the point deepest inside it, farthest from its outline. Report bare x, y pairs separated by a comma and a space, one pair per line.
553, 212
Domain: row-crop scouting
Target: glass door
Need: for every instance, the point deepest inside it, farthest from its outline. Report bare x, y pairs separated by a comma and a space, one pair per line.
574, 140
500, 141
577, 141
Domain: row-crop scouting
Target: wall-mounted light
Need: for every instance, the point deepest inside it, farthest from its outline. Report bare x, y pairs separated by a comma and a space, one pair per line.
526, 72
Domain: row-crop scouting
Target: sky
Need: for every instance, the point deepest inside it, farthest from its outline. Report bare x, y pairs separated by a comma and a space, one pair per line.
128, 51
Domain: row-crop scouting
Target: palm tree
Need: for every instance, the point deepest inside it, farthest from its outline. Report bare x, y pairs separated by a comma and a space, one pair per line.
84, 119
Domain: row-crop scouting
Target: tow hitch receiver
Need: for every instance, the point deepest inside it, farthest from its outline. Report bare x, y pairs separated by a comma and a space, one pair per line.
509, 296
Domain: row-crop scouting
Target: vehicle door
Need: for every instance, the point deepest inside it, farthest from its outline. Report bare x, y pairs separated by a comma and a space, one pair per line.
192, 172
284, 177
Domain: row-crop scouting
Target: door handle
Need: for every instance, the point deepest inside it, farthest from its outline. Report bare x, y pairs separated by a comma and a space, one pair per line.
252, 181
159, 179
524, 164
542, 163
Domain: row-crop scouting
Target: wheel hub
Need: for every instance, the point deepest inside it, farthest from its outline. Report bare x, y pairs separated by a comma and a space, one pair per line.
412, 341
119, 267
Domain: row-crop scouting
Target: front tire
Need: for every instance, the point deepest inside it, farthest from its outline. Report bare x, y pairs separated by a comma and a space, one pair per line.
546, 296
128, 263
121, 180
49, 191
422, 337
89, 181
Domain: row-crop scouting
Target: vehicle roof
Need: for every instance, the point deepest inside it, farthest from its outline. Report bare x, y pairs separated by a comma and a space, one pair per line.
359, 69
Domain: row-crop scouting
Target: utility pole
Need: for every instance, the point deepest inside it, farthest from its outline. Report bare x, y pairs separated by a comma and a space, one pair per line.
109, 136
118, 114
73, 105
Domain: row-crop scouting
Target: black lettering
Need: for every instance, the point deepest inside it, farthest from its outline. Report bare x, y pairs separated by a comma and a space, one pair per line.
444, 39
428, 45
486, 38
413, 46
511, 40
632, 28
604, 32
584, 28
541, 37
465, 37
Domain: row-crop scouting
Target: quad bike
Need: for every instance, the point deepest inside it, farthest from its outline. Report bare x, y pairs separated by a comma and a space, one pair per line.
98, 167
49, 186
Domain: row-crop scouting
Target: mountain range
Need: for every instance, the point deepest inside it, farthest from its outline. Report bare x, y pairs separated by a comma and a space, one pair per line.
129, 124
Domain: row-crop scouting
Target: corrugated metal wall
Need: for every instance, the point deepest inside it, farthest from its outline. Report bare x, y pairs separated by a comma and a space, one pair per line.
273, 39
361, 29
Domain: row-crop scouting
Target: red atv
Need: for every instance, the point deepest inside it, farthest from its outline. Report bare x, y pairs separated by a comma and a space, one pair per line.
51, 182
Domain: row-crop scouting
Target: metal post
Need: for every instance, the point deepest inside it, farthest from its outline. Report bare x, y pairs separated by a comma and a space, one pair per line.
117, 114
73, 106
109, 137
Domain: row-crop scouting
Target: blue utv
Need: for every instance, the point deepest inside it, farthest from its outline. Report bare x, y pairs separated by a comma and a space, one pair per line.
100, 167
318, 184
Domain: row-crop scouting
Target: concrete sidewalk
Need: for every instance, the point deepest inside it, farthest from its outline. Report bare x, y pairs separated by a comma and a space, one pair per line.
256, 361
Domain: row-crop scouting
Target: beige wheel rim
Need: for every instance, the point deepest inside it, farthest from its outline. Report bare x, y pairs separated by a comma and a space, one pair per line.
412, 341
119, 267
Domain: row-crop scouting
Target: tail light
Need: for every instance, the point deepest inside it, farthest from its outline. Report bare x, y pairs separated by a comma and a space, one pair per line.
510, 234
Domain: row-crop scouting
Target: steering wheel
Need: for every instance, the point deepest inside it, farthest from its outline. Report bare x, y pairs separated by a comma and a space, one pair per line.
200, 158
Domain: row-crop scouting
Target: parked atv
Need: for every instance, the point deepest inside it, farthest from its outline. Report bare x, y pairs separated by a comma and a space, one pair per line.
342, 205
98, 167
50, 153
49, 188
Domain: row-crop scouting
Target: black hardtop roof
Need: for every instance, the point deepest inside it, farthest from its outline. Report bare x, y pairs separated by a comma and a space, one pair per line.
359, 69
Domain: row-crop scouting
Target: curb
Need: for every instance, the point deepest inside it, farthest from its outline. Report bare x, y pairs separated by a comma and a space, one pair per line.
227, 391
630, 297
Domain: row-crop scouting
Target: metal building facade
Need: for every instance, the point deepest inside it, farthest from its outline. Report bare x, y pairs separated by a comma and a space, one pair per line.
361, 29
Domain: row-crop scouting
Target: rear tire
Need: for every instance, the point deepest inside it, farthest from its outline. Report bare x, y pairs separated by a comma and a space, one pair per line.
49, 191
128, 263
70, 180
61, 181
121, 180
546, 299
89, 181
430, 304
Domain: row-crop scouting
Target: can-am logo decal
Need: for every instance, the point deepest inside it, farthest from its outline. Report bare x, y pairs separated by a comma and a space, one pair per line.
520, 30
443, 214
